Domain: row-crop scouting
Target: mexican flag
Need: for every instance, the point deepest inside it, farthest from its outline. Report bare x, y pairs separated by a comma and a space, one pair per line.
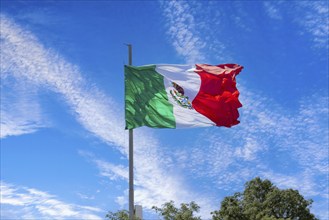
181, 96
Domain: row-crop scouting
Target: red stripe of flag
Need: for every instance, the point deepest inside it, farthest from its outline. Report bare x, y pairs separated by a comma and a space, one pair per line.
218, 95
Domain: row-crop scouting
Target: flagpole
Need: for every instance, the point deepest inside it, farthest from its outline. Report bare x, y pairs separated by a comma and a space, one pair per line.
131, 155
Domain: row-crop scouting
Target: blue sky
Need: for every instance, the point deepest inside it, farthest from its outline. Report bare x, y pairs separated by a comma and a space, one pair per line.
63, 143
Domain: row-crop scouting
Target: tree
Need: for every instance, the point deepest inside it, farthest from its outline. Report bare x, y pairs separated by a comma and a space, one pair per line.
119, 215
186, 211
231, 209
261, 200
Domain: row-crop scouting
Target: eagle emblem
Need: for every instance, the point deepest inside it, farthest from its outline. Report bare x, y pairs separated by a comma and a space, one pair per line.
178, 95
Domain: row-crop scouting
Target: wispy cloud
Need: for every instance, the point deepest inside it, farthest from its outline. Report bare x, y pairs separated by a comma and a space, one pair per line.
266, 127
28, 61
311, 16
20, 113
272, 10
107, 169
315, 21
183, 31
289, 148
155, 181
20, 110
28, 203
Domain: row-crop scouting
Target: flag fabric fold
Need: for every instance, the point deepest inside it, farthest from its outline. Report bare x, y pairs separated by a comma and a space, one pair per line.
181, 96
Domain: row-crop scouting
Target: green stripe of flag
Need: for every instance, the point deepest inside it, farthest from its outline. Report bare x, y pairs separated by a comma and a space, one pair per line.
146, 100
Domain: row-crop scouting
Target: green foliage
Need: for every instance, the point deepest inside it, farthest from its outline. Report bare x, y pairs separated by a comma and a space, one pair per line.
119, 215
231, 209
186, 211
261, 200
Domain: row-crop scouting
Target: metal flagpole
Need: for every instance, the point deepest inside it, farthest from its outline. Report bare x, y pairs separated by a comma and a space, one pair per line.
131, 156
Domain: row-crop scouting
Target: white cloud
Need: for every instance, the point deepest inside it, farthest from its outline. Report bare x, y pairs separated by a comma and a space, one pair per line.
272, 10
154, 183
183, 32
85, 196
250, 149
266, 129
25, 59
111, 171
22, 202
315, 21
311, 16
20, 111
289, 148
122, 200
